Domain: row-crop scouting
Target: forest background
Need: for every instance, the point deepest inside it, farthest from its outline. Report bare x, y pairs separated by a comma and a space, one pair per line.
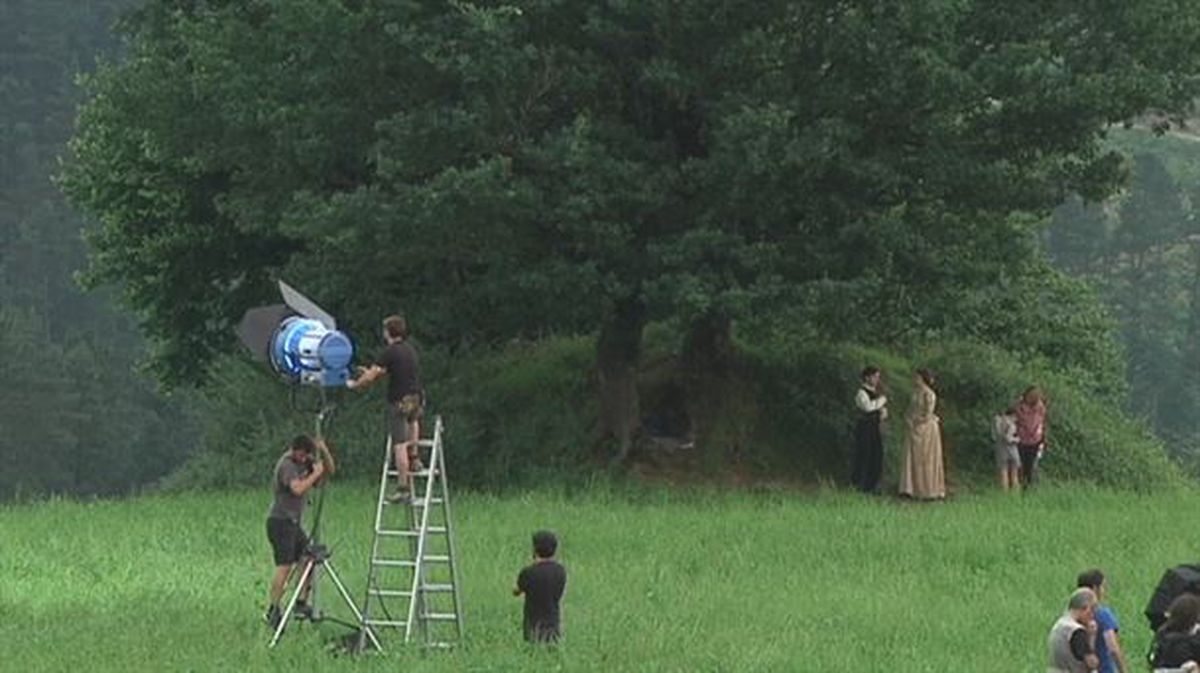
615, 229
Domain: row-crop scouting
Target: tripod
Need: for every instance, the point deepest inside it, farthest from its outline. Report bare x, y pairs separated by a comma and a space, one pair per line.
317, 556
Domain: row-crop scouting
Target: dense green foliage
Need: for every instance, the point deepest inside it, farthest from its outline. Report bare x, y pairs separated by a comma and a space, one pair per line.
659, 580
671, 186
1140, 250
74, 416
503, 169
803, 411
521, 416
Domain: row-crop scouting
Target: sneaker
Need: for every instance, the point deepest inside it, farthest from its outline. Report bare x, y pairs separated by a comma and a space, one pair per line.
273, 617
401, 496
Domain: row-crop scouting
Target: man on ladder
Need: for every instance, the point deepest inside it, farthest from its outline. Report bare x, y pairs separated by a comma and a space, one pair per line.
405, 402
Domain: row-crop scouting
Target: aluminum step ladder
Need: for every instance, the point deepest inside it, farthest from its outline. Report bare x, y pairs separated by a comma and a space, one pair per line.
412, 582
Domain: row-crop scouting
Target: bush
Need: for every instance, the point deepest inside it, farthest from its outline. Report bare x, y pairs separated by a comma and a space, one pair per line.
526, 414
512, 416
522, 415
806, 391
1089, 438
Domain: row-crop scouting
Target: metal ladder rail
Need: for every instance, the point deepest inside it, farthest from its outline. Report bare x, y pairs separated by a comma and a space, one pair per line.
422, 534
373, 568
456, 598
418, 535
376, 563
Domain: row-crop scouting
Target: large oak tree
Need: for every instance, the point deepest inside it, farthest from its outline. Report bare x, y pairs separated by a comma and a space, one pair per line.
510, 168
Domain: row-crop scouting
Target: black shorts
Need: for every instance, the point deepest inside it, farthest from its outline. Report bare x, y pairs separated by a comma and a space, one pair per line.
288, 540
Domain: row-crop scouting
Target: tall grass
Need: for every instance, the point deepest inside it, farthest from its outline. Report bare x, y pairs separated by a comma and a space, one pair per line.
659, 580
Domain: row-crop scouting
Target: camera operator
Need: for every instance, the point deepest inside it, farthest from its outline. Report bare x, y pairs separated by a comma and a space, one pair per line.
295, 473
404, 399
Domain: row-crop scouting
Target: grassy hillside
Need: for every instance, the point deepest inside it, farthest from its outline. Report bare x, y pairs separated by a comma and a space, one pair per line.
659, 580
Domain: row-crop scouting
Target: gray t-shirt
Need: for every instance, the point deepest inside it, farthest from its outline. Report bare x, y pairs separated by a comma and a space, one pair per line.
287, 505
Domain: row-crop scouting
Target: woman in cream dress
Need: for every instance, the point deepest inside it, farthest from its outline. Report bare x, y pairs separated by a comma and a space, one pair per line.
923, 476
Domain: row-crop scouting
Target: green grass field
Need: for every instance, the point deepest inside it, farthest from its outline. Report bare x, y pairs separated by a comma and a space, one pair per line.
660, 580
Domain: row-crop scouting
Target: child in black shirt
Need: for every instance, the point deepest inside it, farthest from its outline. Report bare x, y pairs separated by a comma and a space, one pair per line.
543, 583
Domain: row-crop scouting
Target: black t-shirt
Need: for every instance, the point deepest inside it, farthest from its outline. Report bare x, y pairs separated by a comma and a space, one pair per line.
1080, 647
1173, 649
543, 584
403, 368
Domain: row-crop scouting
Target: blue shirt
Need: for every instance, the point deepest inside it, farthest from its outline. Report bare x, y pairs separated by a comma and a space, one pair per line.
1106, 620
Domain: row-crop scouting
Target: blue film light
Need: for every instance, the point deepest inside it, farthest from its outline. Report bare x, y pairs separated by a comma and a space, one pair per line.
306, 351
299, 340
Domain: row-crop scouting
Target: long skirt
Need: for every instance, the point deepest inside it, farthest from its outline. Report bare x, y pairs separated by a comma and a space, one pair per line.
923, 476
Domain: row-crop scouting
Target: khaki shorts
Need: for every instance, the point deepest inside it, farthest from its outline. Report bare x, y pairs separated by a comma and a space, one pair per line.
1007, 456
401, 414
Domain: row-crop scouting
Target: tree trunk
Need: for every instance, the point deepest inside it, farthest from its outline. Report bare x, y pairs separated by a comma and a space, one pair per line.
707, 367
708, 348
618, 352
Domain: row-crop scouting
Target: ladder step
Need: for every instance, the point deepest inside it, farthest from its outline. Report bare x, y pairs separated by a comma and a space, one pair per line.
415, 502
440, 616
437, 559
387, 563
427, 443
396, 533
389, 503
438, 588
389, 593
387, 532
385, 622
440, 645
422, 474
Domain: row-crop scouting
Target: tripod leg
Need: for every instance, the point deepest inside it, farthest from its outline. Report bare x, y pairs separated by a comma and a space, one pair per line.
337, 582
311, 597
287, 614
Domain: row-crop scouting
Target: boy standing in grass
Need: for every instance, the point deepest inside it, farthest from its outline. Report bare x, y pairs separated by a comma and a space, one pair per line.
542, 583
1108, 642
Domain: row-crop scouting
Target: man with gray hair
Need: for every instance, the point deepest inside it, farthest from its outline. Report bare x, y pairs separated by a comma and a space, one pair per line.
1072, 640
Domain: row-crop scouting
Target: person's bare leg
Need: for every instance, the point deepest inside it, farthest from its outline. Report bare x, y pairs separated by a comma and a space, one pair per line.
1014, 477
414, 437
403, 478
1003, 476
279, 582
307, 588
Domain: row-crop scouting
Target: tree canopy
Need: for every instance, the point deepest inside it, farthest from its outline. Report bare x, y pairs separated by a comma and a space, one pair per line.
503, 169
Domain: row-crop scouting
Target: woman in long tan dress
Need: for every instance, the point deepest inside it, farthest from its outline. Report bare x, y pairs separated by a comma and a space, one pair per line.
923, 476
